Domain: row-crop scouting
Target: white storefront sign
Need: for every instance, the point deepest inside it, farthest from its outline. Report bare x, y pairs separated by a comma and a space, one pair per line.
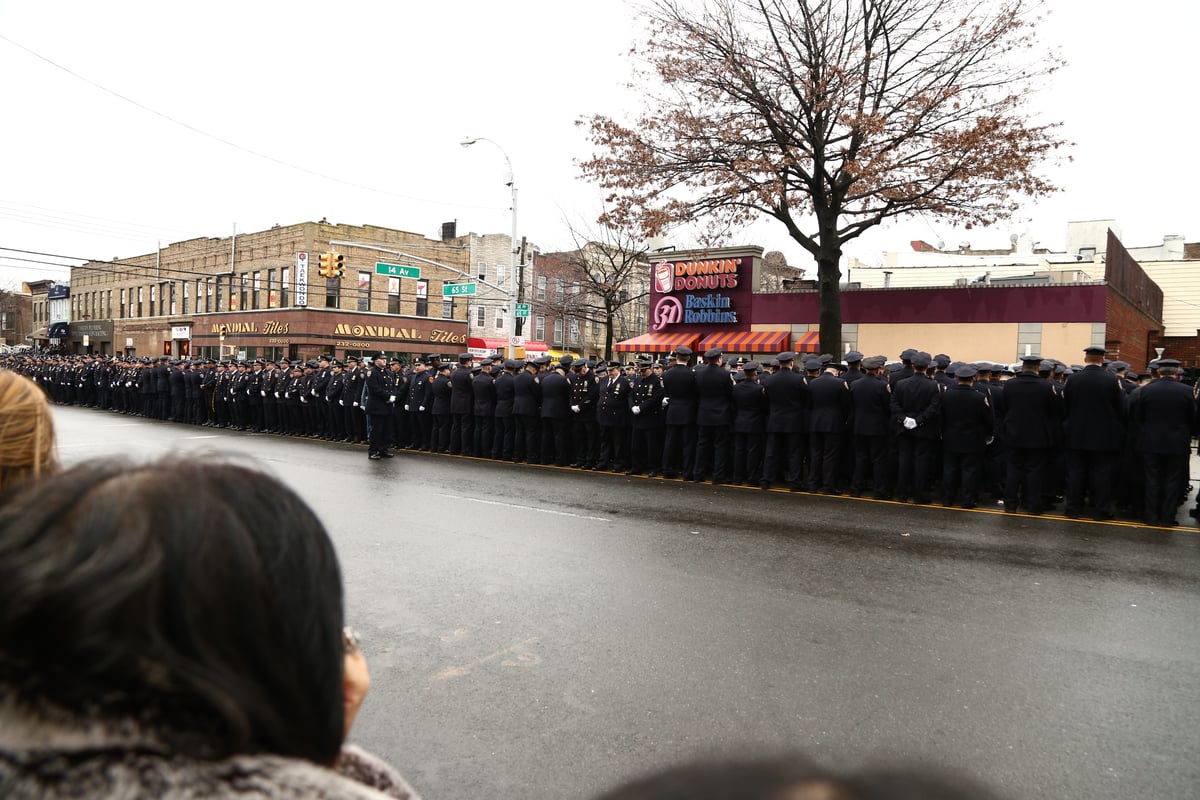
302, 279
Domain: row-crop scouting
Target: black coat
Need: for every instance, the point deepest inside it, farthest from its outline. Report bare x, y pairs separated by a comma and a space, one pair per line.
919, 397
787, 402
1165, 413
830, 404
460, 391
505, 394
967, 422
750, 406
714, 391
871, 404
1094, 403
679, 383
439, 392
527, 394
556, 396
612, 403
381, 387
1032, 412
483, 393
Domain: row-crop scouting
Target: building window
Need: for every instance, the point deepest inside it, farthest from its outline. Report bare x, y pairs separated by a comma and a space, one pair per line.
217, 288
480, 316
121, 308
153, 296
364, 291
574, 330
539, 328
560, 288
173, 302
109, 313
481, 270
244, 299
256, 300
500, 275
499, 319
139, 307
558, 329
272, 290
448, 308
333, 290
284, 277
541, 287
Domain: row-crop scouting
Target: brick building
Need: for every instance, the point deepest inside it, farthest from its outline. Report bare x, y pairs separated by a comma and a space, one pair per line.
259, 295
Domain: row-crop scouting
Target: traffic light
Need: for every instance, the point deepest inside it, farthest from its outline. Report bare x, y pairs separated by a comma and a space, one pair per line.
325, 260
338, 265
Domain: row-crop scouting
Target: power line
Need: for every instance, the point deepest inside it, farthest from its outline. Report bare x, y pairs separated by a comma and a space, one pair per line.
235, 145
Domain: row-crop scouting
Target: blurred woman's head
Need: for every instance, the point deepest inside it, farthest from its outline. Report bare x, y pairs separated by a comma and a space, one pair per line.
26, 431
203, 600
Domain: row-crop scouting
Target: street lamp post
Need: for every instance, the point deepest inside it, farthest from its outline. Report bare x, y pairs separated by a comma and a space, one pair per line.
512, 271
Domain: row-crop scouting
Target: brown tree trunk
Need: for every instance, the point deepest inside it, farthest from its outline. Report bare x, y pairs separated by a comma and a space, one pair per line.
829, 289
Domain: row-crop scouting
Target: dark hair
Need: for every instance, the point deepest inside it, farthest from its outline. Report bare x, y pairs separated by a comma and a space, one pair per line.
203, 600
794, 777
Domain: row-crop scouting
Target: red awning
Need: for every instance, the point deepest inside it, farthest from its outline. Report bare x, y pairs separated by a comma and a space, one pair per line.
487, 344
747, 341
808, 343
536, 347
657, 342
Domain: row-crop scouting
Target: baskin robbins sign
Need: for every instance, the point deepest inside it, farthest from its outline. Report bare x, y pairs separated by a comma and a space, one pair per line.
701, 291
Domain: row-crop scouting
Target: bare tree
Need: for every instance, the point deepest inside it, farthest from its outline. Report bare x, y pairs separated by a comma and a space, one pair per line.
831, 116
607, 274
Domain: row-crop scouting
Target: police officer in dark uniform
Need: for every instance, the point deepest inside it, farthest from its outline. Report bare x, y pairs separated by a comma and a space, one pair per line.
586, 432
380, 397
870, 425
461, 407
714, 414
483, 408
967, 427
1165, 411
527, 413
749, 400
439, 395
679, 442
787, 401
646, 420
612, 418
1033, 414
916, 410
829, 410
556, 416
1094, 407
505, 430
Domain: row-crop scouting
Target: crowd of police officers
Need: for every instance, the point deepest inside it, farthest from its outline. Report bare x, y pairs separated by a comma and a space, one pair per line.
924, 429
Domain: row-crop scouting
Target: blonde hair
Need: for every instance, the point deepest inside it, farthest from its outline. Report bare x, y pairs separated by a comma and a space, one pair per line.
26, 431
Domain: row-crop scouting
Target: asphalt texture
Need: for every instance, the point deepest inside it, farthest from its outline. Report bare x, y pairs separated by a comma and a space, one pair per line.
548, 633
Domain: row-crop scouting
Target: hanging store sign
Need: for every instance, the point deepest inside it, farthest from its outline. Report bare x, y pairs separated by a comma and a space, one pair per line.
701, 292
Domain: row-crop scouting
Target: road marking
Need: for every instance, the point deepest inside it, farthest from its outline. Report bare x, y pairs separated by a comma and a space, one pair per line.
525, 508
186, 438
521, 659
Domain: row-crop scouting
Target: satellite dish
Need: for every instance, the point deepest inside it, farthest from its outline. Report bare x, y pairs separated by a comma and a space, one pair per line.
1012, 239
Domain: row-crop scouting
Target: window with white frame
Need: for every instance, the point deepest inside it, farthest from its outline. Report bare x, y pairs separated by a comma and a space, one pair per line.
560, 288
500, 275
558, 330
480, 316
539, 328
499, 319
541, 287
481, 270
574, 330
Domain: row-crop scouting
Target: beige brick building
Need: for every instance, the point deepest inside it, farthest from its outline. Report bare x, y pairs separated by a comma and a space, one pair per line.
264, 293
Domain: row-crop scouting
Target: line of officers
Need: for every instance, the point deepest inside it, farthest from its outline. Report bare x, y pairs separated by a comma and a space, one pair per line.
923, 429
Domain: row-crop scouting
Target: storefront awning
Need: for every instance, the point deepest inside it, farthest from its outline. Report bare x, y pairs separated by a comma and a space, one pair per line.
536, 347
747, 341
487, 344
560, 353
657, 342
808, 343
60, 330
40, 333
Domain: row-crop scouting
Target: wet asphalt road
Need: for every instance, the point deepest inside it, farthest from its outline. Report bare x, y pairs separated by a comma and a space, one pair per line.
544, 633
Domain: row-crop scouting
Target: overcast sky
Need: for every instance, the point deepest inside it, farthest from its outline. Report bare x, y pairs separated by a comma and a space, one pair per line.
255, 113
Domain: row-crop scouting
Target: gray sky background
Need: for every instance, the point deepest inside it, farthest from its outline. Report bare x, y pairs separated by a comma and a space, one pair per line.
360, 106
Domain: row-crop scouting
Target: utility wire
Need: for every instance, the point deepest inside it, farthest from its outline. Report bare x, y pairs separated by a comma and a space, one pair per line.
235, 145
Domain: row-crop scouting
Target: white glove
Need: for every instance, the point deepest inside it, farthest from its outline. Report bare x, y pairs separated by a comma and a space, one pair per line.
909, 423
341, 402
263, 392
421, 408
392, 399
666, 400
636, 409
277, 395
406, 406
990, 439
356, 404
575, 409
313, 392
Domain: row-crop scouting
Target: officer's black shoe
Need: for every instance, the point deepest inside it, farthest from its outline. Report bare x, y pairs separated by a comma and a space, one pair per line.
765, 485
652, 474
373, 456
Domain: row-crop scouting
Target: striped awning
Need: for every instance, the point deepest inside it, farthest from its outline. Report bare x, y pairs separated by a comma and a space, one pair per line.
747, 341
808, 343
657, 342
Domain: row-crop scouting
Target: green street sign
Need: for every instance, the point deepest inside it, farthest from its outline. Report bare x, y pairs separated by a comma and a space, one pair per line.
397, 270
458, 289
522, 309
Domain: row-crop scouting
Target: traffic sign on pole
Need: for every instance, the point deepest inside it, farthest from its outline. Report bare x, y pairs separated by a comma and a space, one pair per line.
397, 270
522, 310
458, 289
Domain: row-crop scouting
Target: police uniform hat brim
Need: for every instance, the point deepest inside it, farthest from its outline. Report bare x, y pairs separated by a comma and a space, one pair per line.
1031, 360
1167, 362
1094, 350
510, 364
465, 356
751, 366
785, 357
965, 371
812, 363
443, 366
644, 364
614, 365
907, 354
853, 356
874, 362
921, 360
941, 360
714, 352
681, 352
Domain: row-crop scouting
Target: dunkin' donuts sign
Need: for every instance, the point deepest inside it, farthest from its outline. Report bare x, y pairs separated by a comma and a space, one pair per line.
704, 292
